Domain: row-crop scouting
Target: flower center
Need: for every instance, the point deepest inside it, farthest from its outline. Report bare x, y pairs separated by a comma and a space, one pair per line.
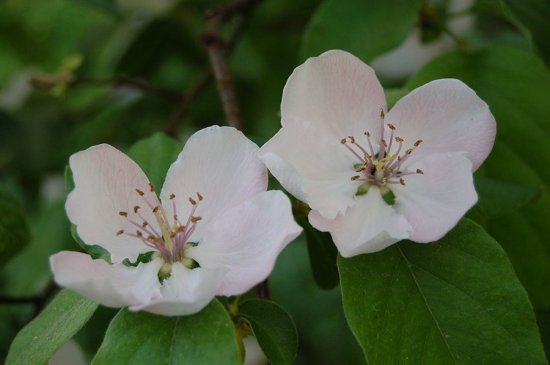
172, 240
384, 167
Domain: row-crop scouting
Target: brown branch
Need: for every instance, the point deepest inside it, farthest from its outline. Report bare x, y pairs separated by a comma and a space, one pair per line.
218, 49
47, 82
38, 300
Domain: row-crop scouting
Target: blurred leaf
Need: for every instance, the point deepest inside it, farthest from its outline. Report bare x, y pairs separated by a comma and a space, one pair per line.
454, 301
29, 272
366, 28
155, 155
207, 337
274, 329
42, 337
108, 5
393, 95
324, 335
534, 15
516, 85
14, 230
322, 256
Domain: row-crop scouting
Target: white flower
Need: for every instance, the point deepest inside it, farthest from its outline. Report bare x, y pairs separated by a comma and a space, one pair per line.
373, 177
214, 231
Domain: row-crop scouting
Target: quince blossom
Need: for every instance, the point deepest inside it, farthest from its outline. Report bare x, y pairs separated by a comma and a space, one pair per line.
214, 231
373, 177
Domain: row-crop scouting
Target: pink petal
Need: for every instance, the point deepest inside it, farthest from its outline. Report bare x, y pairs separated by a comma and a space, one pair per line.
105, 184
369, 226
433, 203
336, 92
449, 117
247, 240
185, 292
222, 165
112, 285
312, 165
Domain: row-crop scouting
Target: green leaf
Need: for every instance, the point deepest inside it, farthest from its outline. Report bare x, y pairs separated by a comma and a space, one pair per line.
42, 337
207, 337
155, 155
516, 85
274, 329
322, 255
366, 28
455, 301
497, 198
533, 15
14, 230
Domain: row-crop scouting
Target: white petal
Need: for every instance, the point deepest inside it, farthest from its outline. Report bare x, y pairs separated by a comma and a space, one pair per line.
335, 91
105, 184
247, 240
312, 165
222, 165
434, 202
449, 117
185, 292
369, 226
113, 285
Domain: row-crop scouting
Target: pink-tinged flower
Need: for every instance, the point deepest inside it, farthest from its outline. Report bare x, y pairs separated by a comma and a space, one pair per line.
215, 230
373, 177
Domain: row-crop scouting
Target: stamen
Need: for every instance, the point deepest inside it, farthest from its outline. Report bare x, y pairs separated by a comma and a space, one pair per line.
156, 209
123, 214
136, 208
195, 219
140, 193
172, 196
199, 196
353, 178
418, 171
192, 201
402, 181
151, 187
120, 232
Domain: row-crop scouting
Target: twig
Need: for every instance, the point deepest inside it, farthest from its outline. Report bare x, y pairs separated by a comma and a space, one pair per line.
38, 300
217, 49
185, 101
262, 290
49, 81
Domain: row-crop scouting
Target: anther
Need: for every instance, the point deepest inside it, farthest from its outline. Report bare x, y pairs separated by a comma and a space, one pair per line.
417, 143
409, 151
120, 232
367, 134
180, 229
385, 143
343, 141
402, 181
382, 115
195, 219
353, 178
352, 139
144, 224
141, 193
151, 187
418, 171
172, 196
139, 234
124, 214
399, 139
156, 209
192, 201
391, 126
136, 208
199, 196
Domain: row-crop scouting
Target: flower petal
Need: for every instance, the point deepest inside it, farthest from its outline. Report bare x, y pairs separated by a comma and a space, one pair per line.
337, 92
185, 292
449, 117
222, 165
113, 285
105, 184
369, 226
247, 240
433, 203
314, 166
